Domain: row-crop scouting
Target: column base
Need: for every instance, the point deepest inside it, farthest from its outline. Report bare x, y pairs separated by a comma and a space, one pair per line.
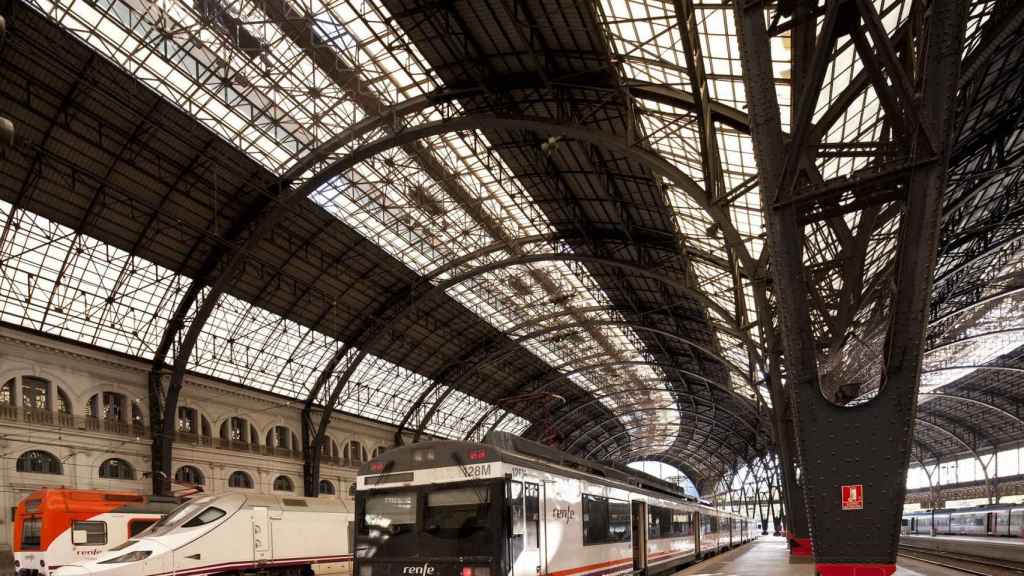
800, 549
854, 569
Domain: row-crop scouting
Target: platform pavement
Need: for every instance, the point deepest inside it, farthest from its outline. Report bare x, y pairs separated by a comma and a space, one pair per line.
769, 556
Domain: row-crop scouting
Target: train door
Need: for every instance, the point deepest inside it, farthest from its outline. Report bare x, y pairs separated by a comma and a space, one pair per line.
639, 534
261, 544
524, 538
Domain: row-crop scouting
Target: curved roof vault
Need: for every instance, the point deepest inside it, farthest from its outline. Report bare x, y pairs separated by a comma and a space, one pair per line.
539, 217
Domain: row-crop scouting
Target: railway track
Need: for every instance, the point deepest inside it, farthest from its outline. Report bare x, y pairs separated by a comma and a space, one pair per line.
964, 563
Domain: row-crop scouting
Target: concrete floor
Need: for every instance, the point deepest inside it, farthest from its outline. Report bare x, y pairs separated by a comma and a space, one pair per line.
768, 556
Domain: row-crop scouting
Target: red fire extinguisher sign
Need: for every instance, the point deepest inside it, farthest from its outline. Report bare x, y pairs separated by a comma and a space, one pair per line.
853, 497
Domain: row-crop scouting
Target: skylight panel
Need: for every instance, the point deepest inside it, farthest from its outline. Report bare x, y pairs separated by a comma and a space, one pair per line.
76, 287
271, 101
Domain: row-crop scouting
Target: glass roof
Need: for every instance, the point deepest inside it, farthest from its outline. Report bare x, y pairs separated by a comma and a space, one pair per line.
242, 74
73, 286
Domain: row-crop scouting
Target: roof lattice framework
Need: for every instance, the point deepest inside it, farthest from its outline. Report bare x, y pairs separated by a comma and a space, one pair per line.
532, 216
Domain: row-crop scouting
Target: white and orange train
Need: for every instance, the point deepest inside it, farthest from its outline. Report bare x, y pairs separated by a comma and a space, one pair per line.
58, 526
510, 507
234, 533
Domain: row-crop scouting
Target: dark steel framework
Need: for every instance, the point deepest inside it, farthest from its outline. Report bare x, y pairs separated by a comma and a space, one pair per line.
434, 214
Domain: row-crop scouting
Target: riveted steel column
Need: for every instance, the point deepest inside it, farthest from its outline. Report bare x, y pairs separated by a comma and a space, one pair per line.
867, 445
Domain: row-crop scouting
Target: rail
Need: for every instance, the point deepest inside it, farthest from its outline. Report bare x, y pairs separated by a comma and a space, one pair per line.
965, 563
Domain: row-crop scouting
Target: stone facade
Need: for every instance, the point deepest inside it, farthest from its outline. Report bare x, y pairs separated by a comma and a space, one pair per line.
85, 406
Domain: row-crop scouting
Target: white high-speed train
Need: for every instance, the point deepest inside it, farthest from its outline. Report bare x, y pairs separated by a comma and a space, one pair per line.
510, 507
233, 533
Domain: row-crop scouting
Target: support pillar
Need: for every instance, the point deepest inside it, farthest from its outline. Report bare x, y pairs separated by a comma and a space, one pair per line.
311, 452
161, 447
865, 447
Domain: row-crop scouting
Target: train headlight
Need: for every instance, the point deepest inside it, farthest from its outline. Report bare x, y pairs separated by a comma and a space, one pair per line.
365, 570
129, 557
475, 571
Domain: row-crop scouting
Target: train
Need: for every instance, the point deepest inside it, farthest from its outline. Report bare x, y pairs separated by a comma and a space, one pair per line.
234, 533
1005, 520
507, 506
58, 526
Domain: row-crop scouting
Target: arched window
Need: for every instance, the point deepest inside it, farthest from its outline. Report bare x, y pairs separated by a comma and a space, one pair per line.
38, 462
190, 475
329, 449
283, 484
355, 452
279, 437
117, 469
378, 451
108, 406
7, 393
326, 487
188, 420
35, 393
238, 429
137, 418
63, 402
239, 479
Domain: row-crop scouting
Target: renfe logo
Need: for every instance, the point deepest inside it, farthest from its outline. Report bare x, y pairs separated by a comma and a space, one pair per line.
566, 513
425, 570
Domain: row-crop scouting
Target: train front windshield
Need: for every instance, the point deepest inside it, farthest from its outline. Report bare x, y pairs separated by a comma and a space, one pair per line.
450, 526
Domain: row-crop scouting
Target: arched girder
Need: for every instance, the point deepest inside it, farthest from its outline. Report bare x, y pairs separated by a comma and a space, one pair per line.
921, 445
975, 367
715, 454
703, 458
708, 471
971, 338
619, 392
712, 421
515, 344
542, 386
981, 302
423, 291
976, 402
966, 445
716, 466
692, 398
269, 209
598, 427
443, 376
977, 434
650, 158
390, 119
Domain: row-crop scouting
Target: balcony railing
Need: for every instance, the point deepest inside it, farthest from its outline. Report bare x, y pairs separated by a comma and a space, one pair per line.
92, 424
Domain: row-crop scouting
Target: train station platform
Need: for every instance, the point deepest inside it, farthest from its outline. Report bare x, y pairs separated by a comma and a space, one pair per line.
769, 556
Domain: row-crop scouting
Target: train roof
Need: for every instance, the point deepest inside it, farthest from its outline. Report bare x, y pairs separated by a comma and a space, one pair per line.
966, 509
284, 502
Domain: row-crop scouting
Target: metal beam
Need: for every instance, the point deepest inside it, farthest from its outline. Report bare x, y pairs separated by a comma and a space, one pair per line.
826, 431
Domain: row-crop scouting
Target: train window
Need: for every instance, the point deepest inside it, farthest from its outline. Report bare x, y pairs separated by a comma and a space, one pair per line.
595, 519
518, 534
618, 521
532, 515
660, 522
31, 529
458, 512
682, 523
391, 512
205, 517
136, 527
88, 533
605, 520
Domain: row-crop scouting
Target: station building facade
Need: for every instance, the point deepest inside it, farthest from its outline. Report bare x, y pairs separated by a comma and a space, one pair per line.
72, 416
